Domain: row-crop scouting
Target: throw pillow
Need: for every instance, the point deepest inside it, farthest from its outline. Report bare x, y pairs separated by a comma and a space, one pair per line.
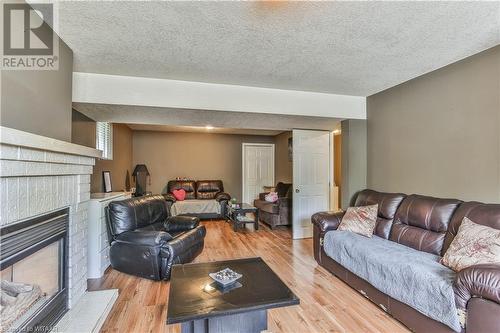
474, 244
361, 220
179, 195
271, 197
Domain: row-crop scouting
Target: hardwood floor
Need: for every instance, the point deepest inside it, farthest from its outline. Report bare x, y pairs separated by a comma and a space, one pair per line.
326, 303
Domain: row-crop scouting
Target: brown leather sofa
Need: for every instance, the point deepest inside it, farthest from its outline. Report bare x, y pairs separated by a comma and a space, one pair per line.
279, 212
199, 190
426, 224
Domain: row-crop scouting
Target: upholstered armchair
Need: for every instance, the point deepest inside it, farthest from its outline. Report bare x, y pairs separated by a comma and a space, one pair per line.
279, 212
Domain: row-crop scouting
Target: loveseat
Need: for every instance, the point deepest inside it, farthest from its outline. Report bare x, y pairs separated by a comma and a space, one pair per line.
146, 241
279, 212
204, 199
398, 267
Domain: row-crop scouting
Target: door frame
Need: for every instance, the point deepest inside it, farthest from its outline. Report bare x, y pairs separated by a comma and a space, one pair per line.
243, 147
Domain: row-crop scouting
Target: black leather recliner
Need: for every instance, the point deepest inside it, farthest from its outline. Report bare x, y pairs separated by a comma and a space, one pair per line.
146, 242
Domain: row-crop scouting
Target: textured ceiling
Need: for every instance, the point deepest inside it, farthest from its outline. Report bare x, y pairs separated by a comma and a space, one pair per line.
145, 115
354, 48
201, 129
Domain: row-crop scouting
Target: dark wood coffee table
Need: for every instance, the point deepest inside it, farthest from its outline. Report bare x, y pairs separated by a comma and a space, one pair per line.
200, 305
238, 215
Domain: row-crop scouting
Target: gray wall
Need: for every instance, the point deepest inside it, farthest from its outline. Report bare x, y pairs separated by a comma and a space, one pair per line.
353, 161
439, 134
39, 101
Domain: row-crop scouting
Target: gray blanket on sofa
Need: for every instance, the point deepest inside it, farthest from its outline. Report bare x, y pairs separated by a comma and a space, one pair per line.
412, 277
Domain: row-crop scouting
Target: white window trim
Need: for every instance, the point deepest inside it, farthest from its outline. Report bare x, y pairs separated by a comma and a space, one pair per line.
104, 139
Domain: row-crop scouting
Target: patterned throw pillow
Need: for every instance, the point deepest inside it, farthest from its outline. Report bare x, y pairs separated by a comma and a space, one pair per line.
271, 197
474, 244
361, 220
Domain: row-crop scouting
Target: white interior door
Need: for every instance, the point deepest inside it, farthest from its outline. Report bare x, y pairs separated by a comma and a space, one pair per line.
311, 178
258, 169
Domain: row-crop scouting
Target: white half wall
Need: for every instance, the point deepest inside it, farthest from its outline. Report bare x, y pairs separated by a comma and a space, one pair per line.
140, 91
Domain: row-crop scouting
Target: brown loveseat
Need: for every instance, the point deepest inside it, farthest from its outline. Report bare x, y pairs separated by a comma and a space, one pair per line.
428, 225
279, 212
200, 190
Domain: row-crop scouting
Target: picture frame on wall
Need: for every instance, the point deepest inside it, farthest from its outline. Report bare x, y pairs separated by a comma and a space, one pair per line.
106, 180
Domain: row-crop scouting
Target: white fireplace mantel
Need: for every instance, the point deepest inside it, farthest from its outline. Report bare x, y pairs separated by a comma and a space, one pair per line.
39, 175
14, 137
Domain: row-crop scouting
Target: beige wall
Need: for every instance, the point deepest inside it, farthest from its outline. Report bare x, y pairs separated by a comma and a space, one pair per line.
83, 133
39, 101
439, 134
194, 155
283, 167
122, 161
82, 130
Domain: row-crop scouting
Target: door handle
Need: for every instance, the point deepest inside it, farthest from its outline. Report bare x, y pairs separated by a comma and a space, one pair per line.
297, 190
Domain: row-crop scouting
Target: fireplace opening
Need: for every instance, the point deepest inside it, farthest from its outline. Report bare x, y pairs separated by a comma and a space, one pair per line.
33, 286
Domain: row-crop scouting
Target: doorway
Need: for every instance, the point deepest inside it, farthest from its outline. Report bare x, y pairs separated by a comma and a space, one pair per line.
257, 169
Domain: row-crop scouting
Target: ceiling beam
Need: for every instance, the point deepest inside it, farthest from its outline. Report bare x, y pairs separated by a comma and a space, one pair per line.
141, 91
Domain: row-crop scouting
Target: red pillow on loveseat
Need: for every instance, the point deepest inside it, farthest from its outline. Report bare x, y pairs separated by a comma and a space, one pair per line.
179, 195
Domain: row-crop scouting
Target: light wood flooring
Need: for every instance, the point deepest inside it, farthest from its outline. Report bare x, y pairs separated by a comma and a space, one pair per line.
326, 303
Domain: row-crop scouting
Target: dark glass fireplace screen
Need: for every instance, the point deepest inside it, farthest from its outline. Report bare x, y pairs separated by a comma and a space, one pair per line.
33, 292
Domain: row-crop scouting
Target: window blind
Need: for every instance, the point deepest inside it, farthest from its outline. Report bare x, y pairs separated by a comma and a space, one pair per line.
104, 139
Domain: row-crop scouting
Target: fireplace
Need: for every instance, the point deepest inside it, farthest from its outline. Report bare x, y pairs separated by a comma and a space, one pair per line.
33, 273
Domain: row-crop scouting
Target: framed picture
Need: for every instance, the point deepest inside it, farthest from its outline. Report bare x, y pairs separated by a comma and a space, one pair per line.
106, 179
290, 149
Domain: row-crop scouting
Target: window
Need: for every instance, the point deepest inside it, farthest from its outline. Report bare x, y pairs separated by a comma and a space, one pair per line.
104, 139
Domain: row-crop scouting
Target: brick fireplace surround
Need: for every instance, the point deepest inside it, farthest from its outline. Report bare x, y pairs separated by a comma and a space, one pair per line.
39, 175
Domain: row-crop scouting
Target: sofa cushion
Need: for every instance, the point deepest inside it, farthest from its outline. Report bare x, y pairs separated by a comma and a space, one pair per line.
208, 189
480, 213
188, 185
360, 220
269, 207
412, 277
137, 212
474, 244
388, 204
421, 222
282, 188
195, 206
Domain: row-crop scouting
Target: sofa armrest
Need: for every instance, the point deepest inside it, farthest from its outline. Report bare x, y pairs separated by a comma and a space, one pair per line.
222, 196
477, 281
181, 223
169, 197
186, 240
326, 221
144, 237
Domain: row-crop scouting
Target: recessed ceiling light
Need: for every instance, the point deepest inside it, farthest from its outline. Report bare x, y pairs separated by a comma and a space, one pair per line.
209, 127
